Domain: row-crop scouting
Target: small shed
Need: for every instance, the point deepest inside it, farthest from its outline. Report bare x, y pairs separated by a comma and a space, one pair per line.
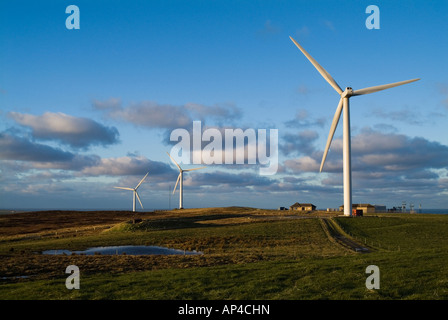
365, 207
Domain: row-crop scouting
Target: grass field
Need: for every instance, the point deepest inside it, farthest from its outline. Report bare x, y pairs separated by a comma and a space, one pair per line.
247, 254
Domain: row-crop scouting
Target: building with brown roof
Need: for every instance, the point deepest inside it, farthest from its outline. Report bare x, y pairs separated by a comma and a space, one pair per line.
303, 207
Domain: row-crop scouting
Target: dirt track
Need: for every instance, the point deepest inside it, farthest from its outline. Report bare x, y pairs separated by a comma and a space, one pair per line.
333, 232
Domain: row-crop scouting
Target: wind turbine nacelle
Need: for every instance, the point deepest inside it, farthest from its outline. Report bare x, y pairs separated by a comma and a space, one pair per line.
347, 93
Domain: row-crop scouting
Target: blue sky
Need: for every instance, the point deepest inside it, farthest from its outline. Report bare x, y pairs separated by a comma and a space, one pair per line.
84, 110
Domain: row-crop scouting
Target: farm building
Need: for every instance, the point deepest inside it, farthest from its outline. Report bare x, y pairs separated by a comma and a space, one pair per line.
365, 207
380, 208
303, 207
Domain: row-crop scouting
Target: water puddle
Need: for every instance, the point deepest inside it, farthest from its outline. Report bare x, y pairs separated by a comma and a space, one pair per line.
15, 277
128, 250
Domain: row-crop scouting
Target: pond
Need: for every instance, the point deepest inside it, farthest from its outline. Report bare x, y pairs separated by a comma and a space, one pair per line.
128, 250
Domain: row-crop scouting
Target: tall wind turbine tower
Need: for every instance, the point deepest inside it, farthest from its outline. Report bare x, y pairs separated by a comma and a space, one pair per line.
134, 193
344, 104
180, 178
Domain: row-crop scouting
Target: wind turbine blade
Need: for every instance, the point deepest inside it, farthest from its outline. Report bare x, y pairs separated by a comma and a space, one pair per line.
194, 169
178, 177
124, 188
141, 181
334, 124
136, 193
319, 68
382, 87
174, 161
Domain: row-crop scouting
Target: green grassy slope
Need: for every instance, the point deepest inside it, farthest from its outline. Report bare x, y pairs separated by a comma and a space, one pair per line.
245, 257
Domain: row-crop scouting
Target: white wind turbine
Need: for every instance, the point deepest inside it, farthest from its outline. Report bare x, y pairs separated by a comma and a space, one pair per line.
134, 193
344, 104
180, 178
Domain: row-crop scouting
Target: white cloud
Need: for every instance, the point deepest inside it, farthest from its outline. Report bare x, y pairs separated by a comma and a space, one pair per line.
377, 151
302, 32
269, 29
126, 166
302, 164
18, 148
329, 25
111, 103
151, 114
302, 119
299, 143
74, 131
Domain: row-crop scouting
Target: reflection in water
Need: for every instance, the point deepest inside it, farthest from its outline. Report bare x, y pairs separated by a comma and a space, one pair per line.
129, 250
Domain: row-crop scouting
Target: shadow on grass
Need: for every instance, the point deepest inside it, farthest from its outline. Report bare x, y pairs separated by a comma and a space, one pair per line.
182, 222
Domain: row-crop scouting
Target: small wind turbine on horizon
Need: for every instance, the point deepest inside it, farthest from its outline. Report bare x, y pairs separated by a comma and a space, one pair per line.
180, 178
134, 193
344, 104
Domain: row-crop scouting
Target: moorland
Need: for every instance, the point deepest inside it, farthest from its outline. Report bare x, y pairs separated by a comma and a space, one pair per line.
246, 253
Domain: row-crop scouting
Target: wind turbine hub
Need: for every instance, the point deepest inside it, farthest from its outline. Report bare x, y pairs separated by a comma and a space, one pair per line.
348, 92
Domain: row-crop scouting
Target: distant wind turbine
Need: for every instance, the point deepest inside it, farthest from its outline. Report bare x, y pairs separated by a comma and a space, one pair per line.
344, 104
180, 178
135, 193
